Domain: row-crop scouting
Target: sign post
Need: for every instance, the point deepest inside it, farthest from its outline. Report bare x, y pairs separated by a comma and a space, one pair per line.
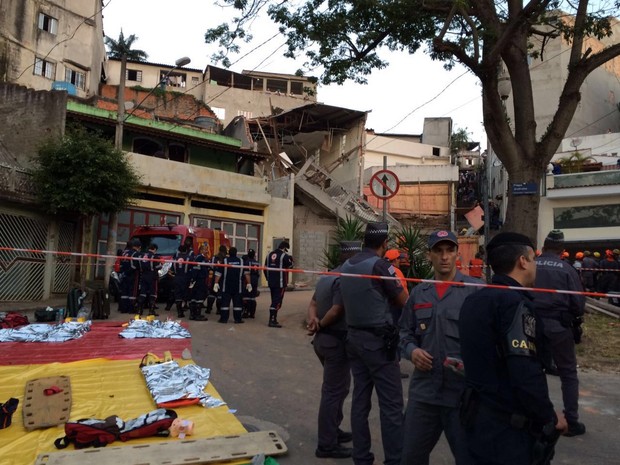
384, 185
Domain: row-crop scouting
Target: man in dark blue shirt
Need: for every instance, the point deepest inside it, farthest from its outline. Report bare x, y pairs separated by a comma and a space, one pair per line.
277, 279
506, 408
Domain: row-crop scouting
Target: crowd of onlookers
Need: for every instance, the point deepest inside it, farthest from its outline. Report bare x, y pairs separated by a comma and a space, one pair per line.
599, 272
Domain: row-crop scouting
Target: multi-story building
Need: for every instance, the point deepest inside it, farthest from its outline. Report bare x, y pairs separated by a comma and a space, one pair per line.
52, 45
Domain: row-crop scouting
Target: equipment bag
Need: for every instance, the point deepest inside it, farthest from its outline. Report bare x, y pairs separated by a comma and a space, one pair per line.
74, 302
44, 315
90, 432
100, 305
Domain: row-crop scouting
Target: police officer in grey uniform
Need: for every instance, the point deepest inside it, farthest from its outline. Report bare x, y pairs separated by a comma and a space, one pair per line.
326, 321
372, 343
430, 339
561, 315
508, 416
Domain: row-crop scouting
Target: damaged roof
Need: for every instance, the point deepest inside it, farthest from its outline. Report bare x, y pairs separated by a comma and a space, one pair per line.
315, 117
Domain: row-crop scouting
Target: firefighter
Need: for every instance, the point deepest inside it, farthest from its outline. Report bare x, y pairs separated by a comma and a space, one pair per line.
277, 279
215, 296
249, 298
182, 270
198, 284
149, 279
130, 276
232, 281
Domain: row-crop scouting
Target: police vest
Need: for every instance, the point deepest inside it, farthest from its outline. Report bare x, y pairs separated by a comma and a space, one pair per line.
364, 302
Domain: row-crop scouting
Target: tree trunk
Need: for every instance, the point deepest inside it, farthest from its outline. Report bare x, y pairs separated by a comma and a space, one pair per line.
85, 262
522, 210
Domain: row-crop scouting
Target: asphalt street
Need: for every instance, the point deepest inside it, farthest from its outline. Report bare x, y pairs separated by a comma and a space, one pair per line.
271, 378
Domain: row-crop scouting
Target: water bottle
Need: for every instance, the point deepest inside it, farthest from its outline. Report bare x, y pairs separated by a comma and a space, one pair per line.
60, 315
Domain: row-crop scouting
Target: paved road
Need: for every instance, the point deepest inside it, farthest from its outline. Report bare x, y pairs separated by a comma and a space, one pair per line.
272, 379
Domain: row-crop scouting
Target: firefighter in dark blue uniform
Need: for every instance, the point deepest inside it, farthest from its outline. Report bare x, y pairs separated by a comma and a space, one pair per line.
326, 321
215, 296
149, 279
277, 280
181, 269
506, 411
231, 279
130, 276
372, 344
561, 316
198, 284
249, 298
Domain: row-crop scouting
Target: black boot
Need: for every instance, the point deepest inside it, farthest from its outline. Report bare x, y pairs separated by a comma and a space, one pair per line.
273, 322
237, 315
180, 312
224, 313
197, 315
251, 308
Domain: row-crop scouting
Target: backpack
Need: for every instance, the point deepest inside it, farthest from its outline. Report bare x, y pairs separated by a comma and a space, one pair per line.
100, 305
91, 432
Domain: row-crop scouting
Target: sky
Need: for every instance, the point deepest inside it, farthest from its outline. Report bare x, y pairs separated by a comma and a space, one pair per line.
397, 97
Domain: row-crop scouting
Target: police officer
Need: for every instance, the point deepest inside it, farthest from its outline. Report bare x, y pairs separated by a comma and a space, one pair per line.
215, 296
372, 343
231, 279
182, 269
130, 271
506, 408
326, 321
430, 340
198, 284
249, 298
149, 279
561, 314
277, 279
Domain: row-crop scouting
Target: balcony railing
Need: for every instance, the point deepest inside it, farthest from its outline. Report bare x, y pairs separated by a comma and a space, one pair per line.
16, 182
596, 178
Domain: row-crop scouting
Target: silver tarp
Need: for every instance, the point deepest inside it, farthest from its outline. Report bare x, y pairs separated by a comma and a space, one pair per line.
42, 332
168, 381
154, 329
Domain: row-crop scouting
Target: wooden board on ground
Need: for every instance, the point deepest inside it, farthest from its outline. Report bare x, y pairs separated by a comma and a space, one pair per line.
174, 451
41, 411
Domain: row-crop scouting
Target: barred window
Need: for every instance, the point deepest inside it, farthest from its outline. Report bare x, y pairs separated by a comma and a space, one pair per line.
76, 78
133, 75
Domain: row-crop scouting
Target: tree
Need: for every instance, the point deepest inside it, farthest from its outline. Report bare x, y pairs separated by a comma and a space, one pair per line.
459, 141
120, 49
346, 38
82, 173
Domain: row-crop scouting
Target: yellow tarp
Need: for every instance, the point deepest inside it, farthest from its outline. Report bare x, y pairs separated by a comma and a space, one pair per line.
100, 388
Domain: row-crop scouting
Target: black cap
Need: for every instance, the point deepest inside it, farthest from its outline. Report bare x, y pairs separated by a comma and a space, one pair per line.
135, 242
509, 238
377, 229
251, 252
442, 236
284, 245
350, 246
153, 246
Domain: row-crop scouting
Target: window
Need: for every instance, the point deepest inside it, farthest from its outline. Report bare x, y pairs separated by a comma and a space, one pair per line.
244, 113
133, 75
195, 79
76, 78
44, 68
47, 23
243, 236
277, 85
297, 88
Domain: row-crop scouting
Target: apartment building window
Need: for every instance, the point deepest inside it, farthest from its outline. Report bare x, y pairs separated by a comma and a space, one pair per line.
195, 80
44, 68
277, 85
47, 23
133, 75
76, 78
297, 88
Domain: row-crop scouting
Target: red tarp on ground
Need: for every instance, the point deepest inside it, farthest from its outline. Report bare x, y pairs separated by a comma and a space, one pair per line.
102, 341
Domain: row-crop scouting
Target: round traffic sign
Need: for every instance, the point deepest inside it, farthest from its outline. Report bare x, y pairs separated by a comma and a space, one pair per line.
384, 184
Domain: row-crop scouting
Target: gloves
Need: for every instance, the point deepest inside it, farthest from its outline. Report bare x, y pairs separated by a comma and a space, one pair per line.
216, 287
248, 287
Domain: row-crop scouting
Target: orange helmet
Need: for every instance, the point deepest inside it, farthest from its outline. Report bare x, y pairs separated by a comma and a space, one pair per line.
579, 255
565, 254
392, 254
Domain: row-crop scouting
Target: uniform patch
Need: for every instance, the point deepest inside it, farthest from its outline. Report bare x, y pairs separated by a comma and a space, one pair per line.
529, 325
392, 270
